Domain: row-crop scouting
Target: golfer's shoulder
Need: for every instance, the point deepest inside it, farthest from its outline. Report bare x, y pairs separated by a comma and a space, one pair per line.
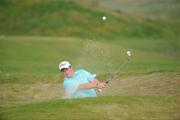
80, 71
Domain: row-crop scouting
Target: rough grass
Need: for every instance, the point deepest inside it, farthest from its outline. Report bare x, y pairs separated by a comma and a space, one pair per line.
67, 18
102, 108
153, 9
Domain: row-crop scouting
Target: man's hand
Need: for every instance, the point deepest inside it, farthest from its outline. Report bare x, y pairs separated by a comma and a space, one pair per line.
98, 84
101, 85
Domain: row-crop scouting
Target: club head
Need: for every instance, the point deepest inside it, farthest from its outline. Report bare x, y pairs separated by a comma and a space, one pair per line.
107, 82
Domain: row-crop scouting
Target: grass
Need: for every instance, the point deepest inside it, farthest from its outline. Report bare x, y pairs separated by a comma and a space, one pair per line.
103, 108
154, 9
42, 55
69, 18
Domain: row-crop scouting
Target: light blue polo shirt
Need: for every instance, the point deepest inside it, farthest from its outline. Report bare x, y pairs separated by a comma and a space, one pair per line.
71, 84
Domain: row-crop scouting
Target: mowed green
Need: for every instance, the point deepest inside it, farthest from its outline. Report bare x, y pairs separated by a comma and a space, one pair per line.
41, 55
24, 59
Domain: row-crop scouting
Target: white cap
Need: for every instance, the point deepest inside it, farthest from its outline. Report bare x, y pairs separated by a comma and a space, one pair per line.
64, 64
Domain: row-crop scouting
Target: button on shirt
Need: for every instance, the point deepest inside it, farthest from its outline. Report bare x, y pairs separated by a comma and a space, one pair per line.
71, 85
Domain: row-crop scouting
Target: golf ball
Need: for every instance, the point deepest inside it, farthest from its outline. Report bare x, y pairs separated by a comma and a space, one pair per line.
128, 53
104, 18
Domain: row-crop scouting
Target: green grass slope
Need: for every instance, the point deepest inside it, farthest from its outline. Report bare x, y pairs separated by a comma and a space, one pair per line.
68, 18
167, 10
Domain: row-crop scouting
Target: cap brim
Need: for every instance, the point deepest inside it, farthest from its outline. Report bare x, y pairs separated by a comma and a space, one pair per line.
64, 67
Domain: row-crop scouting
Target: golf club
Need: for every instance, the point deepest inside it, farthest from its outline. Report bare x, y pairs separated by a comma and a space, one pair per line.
120, 67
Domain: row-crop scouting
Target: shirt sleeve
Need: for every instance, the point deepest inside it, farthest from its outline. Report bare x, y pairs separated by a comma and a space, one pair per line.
90, 77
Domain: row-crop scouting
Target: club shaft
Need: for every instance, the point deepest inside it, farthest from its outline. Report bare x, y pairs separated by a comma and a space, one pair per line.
120, 67
114, 74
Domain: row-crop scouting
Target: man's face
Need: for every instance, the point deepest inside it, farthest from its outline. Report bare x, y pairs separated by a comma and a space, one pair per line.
68, 72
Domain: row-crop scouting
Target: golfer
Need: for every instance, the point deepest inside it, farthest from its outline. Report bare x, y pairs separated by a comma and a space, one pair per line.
79, 84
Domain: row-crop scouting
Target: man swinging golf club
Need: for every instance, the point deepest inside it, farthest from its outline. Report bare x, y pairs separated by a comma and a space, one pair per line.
79, 84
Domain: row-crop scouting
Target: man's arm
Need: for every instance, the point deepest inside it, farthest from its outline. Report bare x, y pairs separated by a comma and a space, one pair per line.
87, 86
94, 84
